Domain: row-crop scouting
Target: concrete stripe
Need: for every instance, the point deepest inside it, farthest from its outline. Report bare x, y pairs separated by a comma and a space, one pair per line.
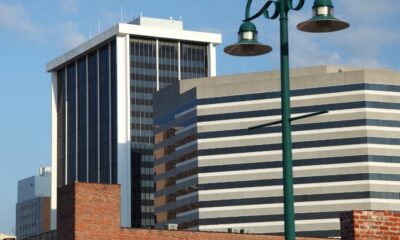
277, 223
277, 117
373, 131
299, 98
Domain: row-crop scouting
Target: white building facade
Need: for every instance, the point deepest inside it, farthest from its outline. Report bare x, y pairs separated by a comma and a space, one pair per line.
102, 111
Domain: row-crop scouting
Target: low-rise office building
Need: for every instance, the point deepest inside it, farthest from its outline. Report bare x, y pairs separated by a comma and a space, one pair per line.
212, 173
33, 207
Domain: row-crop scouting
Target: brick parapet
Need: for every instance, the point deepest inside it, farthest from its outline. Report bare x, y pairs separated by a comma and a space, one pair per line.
142, 234
370, 225
90, 211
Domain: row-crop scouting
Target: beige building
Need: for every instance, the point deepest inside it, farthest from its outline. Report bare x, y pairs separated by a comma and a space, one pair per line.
6, 237
213, 174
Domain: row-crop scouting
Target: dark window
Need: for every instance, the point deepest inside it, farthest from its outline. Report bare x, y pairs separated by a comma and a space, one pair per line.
104, 98
82, 121
71, 124
61, 127
194, 62
114, 139
168, 63
93, 117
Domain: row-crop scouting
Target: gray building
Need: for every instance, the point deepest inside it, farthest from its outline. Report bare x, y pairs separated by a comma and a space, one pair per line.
213, 174
102, 106
33, 206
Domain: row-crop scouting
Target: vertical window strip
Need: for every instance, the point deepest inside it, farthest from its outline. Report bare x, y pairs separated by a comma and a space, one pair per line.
93, 116
71, 125
82, 125
114, 179
87, 116
61, 127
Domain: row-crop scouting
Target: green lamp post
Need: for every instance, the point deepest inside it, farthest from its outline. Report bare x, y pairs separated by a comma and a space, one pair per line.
248, 45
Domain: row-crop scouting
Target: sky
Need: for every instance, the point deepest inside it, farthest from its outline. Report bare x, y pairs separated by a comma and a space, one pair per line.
33, 32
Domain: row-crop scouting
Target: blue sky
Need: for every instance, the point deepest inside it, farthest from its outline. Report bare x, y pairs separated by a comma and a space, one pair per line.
34, 32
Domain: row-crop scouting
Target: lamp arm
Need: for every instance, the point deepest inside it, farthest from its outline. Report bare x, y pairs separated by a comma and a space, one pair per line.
299, 5
275, 14
263, 10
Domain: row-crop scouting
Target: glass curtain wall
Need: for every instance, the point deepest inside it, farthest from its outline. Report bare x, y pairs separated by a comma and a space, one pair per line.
87, 121
93, 105
143, 85
194, 63
146, 70
82, 123
71, 123
168, 63
61, 92
113, 87
104, 98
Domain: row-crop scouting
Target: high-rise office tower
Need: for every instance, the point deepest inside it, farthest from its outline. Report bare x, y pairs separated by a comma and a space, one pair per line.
33, 206
102, 106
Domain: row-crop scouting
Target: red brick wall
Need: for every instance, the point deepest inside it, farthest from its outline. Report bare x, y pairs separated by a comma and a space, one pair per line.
144, 234
370, 225
45, 214
88, 211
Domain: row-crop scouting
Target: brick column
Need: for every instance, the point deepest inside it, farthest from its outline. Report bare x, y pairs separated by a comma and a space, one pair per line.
370, 225
88, 211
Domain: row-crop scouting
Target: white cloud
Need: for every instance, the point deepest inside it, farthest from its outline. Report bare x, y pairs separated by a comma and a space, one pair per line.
306, 49
366, 42
69, 6
15, 18
307, 52
68, 35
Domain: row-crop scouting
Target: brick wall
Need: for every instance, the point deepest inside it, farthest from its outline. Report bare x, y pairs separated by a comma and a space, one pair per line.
45, 221
88, 211
370, 225
143, 234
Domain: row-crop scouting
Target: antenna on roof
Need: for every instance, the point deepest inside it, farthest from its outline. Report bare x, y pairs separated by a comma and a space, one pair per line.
141, 14
98, 22
180, 18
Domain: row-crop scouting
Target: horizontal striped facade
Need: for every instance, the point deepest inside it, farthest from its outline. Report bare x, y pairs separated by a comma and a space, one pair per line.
212, 173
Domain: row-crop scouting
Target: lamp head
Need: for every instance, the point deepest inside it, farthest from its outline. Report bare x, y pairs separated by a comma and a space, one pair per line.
323, 19
248, 44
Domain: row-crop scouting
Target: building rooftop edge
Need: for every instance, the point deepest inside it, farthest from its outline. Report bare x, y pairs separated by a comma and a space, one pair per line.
273, 74
304, 71
138, 30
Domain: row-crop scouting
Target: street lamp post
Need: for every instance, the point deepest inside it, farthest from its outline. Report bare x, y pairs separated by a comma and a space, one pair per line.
248, 45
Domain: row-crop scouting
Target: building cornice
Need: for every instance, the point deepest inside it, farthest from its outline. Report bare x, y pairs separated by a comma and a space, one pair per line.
122, 29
